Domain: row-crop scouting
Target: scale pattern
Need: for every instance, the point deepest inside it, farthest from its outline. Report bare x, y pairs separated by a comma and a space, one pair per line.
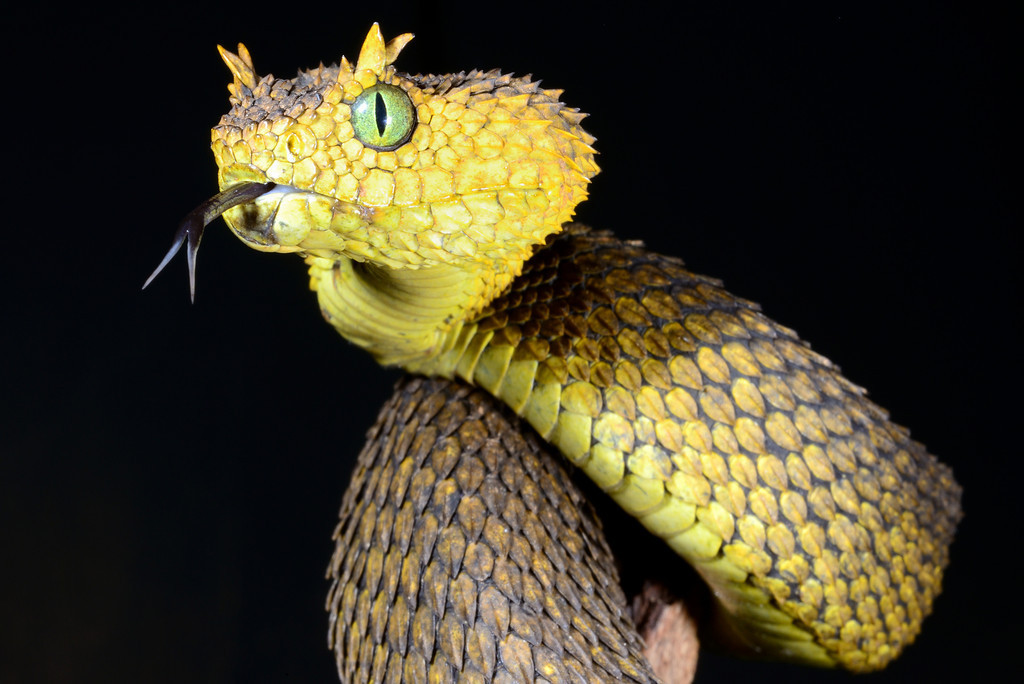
823, 526
465, 552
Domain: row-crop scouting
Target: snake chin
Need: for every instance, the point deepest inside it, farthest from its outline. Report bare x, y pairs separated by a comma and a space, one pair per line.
255, 223
290, 219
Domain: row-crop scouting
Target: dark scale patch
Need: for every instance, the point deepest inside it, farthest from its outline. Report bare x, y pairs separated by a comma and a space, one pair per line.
500, 573
273, 99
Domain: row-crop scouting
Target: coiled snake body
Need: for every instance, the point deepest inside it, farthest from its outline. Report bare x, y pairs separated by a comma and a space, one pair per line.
432, 212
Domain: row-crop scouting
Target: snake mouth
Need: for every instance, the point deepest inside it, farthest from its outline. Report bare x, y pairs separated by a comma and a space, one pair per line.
292, 219
191, 228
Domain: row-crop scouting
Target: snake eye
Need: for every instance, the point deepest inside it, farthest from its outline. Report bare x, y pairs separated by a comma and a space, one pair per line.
383, 117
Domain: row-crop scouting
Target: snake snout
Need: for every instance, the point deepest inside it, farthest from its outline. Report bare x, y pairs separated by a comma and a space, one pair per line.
191, 228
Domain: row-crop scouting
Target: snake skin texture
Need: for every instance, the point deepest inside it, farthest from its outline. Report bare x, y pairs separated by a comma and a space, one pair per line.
433, 214
822, 526
466, 553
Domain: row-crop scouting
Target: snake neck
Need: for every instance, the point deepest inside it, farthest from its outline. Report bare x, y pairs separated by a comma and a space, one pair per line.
413, 318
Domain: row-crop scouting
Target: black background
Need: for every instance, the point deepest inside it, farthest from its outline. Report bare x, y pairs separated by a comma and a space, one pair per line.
170, 473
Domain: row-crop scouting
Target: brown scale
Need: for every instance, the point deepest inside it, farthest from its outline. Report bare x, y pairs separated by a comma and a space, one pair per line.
466, 553
830, 508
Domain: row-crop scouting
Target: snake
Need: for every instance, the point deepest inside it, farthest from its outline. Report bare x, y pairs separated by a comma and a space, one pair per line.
434, 213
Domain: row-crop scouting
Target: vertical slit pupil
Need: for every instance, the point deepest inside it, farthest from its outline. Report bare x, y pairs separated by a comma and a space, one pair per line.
380, 111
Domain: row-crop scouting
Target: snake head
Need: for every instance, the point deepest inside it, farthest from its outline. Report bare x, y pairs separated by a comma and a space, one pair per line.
443, 182
402, 171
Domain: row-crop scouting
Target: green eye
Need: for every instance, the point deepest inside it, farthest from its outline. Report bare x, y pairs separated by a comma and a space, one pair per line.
383, 117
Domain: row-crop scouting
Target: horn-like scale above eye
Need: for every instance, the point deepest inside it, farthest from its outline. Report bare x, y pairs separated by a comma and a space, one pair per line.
383, 117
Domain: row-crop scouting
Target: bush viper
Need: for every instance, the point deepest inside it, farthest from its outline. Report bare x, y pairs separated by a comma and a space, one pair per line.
434, 215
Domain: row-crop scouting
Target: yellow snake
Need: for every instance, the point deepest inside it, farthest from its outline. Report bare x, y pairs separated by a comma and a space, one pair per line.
433, 213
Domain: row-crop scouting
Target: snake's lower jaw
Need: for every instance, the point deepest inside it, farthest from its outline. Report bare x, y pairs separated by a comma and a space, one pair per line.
290, 220
272, 222
278, 220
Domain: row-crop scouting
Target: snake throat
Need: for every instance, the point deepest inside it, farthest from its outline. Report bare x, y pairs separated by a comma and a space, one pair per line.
191, 228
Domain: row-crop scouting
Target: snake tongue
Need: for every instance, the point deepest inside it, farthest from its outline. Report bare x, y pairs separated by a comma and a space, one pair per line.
191, 228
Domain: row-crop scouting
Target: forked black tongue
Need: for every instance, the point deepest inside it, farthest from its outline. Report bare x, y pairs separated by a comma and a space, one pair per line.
191, 228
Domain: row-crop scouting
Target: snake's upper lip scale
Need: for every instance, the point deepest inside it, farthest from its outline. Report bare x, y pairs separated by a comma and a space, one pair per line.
191, 228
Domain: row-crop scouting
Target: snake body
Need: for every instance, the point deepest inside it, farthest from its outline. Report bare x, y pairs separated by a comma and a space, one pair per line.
443, 247
465, 552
